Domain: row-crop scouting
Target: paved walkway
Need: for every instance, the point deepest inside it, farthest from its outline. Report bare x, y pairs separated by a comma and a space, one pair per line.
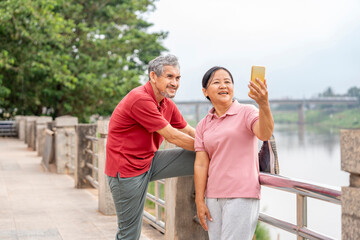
35, 204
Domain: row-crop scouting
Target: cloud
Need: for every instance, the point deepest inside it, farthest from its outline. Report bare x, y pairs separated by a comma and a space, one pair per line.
305, 45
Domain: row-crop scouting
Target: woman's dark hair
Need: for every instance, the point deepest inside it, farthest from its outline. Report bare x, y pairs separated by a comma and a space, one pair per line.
208, 76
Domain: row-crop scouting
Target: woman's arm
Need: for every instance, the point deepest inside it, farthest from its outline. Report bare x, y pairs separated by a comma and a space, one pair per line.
264, 127
201, 168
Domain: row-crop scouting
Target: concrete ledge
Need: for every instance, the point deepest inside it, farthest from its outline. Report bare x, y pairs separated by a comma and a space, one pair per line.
66, 121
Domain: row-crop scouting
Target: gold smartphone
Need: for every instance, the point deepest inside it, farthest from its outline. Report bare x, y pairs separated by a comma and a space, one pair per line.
257, 72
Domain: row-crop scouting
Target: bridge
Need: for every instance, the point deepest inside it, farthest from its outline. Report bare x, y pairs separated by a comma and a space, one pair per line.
53, 187
350, 101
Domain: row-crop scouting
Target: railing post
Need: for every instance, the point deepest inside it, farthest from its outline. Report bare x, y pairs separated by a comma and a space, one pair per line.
32, 136
29, 122
64, 137
21, 128
350, 196
181, 209
197, 107
301, 206
301, 114
81, 170
40, 127
48, 149
106, 203
18, 119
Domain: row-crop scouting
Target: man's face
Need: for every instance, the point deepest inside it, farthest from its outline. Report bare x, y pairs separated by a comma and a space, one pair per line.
168, 83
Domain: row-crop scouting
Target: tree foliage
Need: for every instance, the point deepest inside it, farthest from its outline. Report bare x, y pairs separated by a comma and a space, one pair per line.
73, 57
328, 93
354, 92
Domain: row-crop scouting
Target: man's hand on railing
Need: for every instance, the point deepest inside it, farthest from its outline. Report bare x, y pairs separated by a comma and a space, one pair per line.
202, 212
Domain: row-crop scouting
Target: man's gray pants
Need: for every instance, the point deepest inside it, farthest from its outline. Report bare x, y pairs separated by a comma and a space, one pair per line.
129, 194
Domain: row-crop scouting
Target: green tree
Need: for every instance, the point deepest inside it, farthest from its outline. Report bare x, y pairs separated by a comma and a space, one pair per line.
71, 56
328, 93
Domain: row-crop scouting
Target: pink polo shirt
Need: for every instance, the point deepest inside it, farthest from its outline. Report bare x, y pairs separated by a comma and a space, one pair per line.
232, 147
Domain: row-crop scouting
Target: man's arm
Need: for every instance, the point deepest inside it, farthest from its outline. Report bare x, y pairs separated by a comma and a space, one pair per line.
189, 130
178, 138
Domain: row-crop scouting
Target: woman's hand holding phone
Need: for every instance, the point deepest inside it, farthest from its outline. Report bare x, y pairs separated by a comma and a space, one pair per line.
258, 85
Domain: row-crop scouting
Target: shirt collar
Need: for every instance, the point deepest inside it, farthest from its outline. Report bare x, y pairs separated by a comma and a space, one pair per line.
150, 91
229, 112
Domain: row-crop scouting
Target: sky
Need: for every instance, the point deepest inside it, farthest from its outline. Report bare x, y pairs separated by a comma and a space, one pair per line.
306, 46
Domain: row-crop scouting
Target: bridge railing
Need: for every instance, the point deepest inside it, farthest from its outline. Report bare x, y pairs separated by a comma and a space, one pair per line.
156, 219
179, 203
92, 164
90, 169
7, 129
303, 190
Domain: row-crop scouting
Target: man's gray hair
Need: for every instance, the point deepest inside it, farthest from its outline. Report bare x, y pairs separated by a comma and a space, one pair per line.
157, 65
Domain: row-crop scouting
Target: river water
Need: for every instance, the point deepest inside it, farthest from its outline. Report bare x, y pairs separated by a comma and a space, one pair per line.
312, 154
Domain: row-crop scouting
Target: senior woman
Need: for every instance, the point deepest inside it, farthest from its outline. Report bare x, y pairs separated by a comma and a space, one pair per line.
226, 169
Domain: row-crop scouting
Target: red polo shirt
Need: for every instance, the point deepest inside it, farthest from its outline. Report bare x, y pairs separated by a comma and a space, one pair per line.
132, 138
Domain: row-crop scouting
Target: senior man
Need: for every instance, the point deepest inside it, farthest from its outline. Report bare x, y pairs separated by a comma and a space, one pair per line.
138, 125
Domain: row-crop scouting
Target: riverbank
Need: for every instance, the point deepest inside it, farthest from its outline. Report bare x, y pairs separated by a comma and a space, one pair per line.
348, 118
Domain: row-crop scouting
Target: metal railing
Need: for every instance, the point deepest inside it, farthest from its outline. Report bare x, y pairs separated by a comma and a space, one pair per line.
302, 190
93, 163
156, 221
8, 129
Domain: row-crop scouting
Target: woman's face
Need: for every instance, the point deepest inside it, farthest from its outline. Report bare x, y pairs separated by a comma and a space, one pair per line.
220, 88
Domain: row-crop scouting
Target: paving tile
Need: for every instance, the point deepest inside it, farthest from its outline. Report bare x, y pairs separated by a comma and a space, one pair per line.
39, 205
7, 224
40, 234
4, 202
85, 230
33, 221
8, 234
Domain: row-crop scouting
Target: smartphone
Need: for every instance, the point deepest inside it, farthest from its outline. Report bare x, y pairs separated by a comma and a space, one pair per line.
257, 72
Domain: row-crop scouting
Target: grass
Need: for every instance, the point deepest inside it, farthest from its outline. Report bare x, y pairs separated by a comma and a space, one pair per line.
338, 118
348, 119
285, 117
261, 232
